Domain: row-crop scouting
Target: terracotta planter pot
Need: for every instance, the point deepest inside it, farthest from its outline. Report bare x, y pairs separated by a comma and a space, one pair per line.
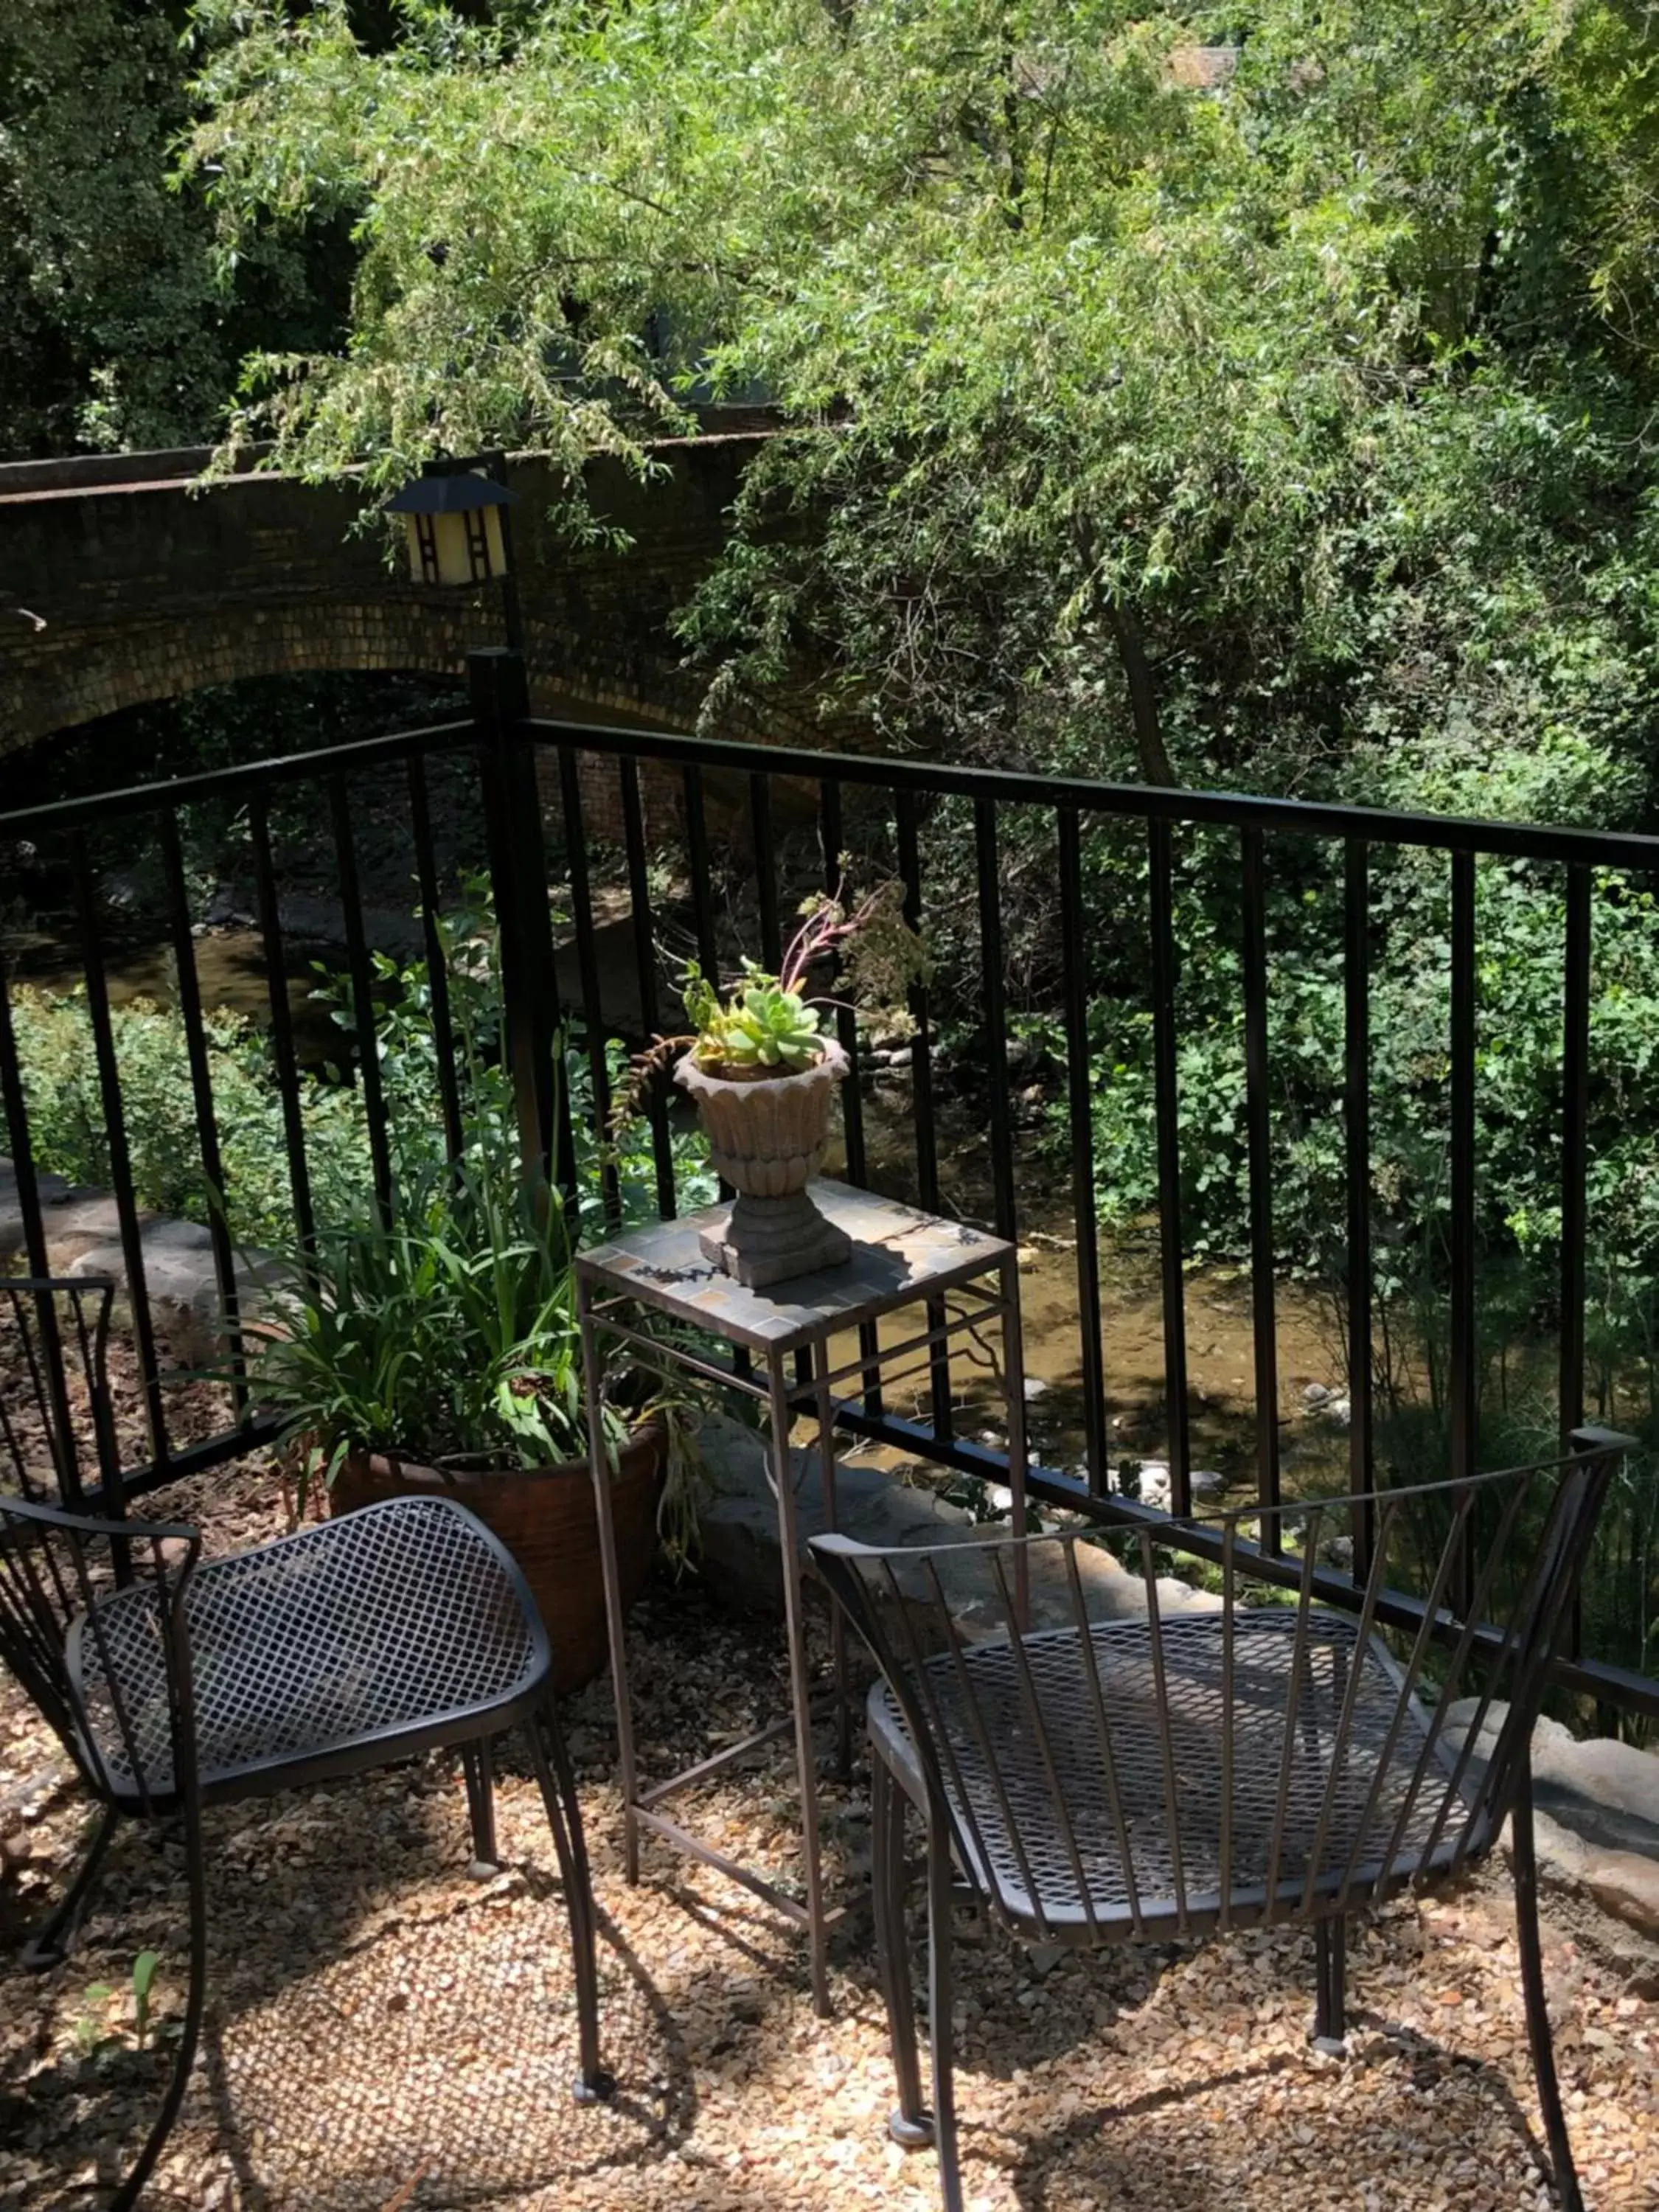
767, 1136
545, 1517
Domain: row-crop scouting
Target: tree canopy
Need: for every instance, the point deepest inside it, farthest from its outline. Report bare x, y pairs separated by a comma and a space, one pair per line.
1237, 390
123, 325
1259, 392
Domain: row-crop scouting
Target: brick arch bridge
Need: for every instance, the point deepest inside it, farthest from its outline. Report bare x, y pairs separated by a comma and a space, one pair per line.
122, 582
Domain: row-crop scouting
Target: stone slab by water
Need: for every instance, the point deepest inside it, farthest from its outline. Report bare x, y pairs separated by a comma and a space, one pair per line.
742, 1555
1597, 1812
84, 1238
52, 1189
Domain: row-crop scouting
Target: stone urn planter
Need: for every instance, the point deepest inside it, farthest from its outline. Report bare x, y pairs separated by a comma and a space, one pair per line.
545, 1517
767, 1136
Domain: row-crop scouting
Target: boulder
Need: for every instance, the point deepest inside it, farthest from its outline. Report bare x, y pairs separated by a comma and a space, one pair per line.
76, 1222
1597, 1813
83, 1237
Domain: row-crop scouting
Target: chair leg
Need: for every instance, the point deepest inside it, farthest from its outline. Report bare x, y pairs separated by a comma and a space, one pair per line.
1564, 2174
1330, 2026
912, 2123
939, 1995
185, 2057
558, 1789
54, 1940
479, 1767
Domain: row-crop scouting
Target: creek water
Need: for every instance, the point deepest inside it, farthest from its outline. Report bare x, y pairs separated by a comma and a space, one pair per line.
230, 971
1220, 1337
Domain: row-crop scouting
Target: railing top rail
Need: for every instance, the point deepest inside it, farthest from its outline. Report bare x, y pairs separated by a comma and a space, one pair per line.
1616, 849
1613, 848
227, 782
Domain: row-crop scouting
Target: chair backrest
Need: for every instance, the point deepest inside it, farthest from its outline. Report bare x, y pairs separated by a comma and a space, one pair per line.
57, 1425
55, 1567
1341, 1702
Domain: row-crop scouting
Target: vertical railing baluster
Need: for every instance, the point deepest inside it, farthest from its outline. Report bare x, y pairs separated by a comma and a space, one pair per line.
996, 1015
1462, 1379
120, 1158
1259, 1119
1079, 1108
1575, 1164
766, 870
846, 1027
1462, 1375
28, 1202
362, 998
207, 1119
1575, 1148
518, 873
281, 1022
587, 969
1356, 1145
21, 1145
702, 917
921, 1101
852, 1091
698, 862
1167, 1104
437, 968
921, 1042
645, 970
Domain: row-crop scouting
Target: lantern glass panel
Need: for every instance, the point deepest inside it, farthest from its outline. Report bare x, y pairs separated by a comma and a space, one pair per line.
466, 547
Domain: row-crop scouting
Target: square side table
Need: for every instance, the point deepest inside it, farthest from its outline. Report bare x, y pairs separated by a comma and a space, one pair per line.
900, 1257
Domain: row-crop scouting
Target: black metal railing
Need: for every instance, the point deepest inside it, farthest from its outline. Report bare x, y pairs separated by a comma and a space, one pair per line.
535, 781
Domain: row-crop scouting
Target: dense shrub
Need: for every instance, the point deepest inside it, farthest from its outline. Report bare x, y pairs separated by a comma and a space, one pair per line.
69, 1131
71, 1134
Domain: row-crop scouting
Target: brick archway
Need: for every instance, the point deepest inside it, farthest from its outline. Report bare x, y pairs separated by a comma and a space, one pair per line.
122, 582
61, 683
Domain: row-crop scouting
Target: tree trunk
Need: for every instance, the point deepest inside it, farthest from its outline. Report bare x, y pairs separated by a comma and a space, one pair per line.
1155, 763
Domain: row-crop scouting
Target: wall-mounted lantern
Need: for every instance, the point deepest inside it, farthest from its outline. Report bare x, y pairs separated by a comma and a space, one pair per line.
452, 523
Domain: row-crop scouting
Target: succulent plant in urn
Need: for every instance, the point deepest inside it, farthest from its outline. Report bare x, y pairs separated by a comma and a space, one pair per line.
760, 1063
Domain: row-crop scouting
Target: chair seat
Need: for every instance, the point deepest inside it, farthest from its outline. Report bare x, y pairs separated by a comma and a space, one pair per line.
1249, 1837
374, 1633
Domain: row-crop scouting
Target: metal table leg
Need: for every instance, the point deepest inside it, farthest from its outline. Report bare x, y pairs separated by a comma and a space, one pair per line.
616, 1627
837, 1624
794, 1628
1013, 1384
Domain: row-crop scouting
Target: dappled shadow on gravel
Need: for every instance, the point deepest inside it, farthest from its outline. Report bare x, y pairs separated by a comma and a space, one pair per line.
373, 2010
388, 2034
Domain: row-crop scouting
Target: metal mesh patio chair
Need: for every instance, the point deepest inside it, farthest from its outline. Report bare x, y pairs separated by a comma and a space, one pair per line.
175, 1682
1346, 1711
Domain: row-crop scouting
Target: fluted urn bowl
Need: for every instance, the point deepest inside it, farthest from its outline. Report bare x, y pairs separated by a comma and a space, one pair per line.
766, 1135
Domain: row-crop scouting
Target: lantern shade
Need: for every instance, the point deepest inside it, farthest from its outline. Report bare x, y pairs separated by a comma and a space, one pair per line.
453, 524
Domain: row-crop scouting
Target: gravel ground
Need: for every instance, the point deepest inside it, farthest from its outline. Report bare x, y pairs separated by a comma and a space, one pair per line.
387, 2033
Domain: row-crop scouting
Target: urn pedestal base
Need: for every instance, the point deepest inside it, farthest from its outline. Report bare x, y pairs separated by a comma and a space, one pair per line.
762, 1241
